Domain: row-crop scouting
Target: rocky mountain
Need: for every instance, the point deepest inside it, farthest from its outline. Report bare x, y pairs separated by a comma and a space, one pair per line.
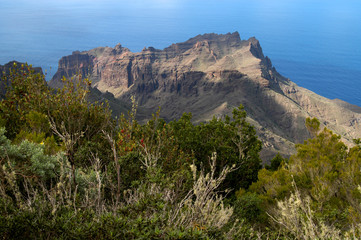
209, 75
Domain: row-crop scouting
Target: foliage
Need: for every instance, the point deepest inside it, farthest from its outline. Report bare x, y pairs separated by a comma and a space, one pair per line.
70, 171
26, 91
202, 207
313, 126
39, 208
276, 162
235, 142
326, 175
299, 221
250, 206
73, 119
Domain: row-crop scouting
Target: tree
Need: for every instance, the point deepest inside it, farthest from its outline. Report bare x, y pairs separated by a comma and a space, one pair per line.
73, 118
234, 140
26, 91
313, 126
276, 162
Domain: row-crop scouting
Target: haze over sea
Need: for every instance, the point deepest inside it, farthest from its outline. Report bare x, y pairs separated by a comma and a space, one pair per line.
315, 43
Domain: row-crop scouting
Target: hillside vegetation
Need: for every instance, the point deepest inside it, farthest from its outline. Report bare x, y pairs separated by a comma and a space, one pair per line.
71, 171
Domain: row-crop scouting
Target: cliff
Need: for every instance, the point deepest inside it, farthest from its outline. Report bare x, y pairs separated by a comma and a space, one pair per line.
209, 75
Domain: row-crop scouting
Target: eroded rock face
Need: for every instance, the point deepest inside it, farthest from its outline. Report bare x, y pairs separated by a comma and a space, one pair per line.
77, 63
209, 75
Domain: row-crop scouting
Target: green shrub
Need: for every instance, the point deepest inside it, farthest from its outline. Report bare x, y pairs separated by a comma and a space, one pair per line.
251, 207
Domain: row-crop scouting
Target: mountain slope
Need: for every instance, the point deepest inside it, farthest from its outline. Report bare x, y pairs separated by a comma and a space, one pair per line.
209, 75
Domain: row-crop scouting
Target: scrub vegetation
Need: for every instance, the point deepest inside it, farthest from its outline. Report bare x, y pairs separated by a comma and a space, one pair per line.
69, 170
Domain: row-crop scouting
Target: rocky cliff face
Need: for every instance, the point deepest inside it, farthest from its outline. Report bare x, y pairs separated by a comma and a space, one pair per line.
209, 75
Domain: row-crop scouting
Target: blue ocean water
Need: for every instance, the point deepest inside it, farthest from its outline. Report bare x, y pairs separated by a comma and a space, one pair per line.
315, 43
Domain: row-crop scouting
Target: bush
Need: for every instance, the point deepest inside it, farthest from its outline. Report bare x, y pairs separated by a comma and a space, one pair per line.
251, 207
327, 176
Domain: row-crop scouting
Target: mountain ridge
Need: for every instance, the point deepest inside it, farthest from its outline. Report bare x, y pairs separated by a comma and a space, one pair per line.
208, 75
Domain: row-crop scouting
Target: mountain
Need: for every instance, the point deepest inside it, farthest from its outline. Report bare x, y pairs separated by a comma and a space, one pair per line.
209, 75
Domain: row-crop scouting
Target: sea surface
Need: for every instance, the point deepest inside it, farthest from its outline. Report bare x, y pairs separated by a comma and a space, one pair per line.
315, 43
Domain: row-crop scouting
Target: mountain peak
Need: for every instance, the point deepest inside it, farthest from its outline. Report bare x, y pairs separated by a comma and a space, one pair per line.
228, 40
214, 37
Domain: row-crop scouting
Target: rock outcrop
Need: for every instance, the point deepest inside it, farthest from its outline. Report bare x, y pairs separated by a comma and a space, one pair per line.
209, 75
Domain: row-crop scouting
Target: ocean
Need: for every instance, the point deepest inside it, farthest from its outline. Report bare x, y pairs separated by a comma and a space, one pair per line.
315, 43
